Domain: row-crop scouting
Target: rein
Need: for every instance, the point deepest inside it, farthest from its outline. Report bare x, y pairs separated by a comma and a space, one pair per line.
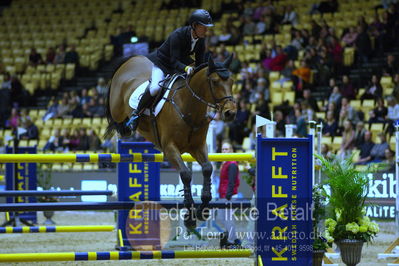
207, 119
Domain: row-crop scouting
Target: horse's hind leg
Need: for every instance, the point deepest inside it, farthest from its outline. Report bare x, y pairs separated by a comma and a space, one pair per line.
201, 156
173, 156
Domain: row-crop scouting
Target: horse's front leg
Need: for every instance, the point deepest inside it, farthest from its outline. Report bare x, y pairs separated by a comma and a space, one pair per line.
174, 157
201, 156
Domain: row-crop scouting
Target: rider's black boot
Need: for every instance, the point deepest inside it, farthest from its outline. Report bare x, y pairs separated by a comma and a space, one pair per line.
145, 102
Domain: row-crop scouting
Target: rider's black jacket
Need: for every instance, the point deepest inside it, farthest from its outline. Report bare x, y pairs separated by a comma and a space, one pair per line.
175, 53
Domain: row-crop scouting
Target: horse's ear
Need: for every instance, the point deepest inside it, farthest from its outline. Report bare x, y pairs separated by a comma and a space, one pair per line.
211, 65
227, 62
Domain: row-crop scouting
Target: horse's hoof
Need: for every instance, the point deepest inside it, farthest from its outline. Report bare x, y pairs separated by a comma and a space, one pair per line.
189, 221
203, 214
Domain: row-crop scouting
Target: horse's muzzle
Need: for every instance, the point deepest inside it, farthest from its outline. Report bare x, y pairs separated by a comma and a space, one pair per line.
229, 115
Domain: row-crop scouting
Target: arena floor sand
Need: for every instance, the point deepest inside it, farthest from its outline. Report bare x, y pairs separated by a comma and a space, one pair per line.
105, 241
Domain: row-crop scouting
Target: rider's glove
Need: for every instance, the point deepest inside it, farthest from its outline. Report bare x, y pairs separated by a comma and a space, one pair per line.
189, 70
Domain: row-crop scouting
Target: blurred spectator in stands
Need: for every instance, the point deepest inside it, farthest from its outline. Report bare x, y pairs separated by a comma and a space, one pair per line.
315, 29
14, 120
94, 141
312, 102
261, 26
266, 57
389, 161
101, 87
290, 16
360, 130
248, 26
395, 92
365, 149
84, 141
326, 151
381, 111
63, 107
377, 153
5, 105
348, 139
52, 110
336, 51
347, 112
279, 61
303, 73
307, 110
65, 136
391, 66
330, 125
99, 110
55, 142
225, 37
262, 107
86, 110
286, 73
24, 117
297, 40
350, 37
363, 45
238, 128
6, 84
84, 98
50, 55
373, 118
280, 123
116, 41
235, 65
347, 89
32, 130
377, 31
335, 95
74, 139
72, 56
292, 115
75, 109
393, 114
19, 94
335, 109
222, 53
301, 120
236, 33
324, 6
60, 55
35, 58
374, 90
211, 38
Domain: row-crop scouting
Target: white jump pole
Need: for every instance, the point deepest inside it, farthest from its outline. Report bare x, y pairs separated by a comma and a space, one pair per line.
312, 132
319, 132
397, 178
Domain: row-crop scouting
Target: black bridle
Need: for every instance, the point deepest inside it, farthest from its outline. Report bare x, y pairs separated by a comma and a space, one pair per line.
215, 105
216, 101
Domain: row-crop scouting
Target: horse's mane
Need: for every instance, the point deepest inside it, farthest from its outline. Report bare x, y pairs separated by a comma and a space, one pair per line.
220, 69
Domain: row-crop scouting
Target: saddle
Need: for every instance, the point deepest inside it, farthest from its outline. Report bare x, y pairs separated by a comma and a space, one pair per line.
167, 84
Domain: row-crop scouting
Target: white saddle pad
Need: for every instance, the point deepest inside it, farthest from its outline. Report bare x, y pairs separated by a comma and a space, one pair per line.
136, 96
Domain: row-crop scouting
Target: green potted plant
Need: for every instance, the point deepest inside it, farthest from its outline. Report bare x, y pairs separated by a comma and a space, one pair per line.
320, 244
44, 180
348, 226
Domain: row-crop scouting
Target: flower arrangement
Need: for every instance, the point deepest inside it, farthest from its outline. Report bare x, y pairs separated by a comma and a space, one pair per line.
319, 198
349, 189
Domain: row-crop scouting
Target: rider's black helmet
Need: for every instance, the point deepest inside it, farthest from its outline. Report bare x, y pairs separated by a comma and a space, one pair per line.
201, 16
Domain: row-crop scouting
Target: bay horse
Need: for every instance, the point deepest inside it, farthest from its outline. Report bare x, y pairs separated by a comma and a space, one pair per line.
182, 124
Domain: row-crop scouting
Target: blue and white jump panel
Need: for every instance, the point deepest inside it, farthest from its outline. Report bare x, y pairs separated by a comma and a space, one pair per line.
137, 182
283, 199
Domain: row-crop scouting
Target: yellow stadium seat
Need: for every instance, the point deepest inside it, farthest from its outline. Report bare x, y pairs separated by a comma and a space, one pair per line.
336, 144
273, 76
386, 82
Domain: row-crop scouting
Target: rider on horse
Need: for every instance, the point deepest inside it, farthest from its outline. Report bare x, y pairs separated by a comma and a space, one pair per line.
174, 56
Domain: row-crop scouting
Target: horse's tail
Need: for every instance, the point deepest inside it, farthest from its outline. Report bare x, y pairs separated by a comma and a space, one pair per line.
112, 125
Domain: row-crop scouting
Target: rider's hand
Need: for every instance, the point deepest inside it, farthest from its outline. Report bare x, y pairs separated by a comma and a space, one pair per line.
189, 70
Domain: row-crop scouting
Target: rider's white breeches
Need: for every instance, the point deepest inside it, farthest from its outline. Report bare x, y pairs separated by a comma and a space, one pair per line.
156, 76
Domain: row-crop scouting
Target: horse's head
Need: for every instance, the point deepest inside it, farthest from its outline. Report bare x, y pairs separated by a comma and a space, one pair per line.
220, 85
